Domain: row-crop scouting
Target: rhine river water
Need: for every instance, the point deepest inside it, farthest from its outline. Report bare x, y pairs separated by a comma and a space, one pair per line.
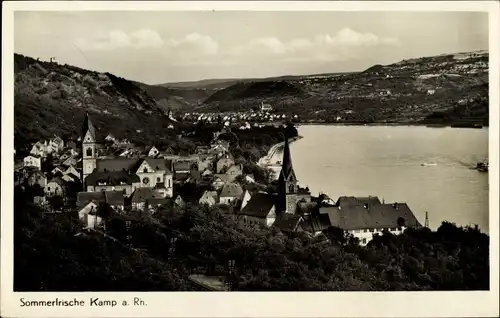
386, 161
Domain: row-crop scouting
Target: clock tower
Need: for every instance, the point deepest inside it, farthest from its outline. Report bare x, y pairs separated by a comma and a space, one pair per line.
89, 155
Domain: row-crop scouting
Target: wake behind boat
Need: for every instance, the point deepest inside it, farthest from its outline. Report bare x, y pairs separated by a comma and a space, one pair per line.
426, 164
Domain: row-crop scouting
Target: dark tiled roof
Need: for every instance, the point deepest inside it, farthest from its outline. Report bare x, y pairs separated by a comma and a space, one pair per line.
223, 177
303, 191
376, 216
182, 166
143, 194
111, 177
84, 198
118, 164
231, 190
196, 175
315, 223
287, 222
181, 176
259, 205
157, 164
114, 197
345, 202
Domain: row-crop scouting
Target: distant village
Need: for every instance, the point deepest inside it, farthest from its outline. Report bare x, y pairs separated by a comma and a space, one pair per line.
260, 117
83, 174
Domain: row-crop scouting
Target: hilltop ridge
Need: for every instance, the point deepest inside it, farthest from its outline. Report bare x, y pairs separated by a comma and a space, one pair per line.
453, 85
50, 98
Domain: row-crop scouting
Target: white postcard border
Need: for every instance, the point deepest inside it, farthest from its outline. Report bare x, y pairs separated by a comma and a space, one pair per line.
253, 304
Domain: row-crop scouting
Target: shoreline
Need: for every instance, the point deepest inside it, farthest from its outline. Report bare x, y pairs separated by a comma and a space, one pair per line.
273, 149
471, 126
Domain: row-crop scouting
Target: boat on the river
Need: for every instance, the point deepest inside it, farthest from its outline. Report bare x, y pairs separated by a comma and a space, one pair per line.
482, 166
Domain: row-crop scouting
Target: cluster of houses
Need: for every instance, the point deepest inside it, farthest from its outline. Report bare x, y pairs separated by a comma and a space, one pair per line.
149, 180
241, 120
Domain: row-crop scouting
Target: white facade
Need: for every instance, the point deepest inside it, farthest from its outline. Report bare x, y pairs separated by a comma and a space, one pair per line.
226, 200
53, 188
246, 198
366, 235
88, 155
33, 161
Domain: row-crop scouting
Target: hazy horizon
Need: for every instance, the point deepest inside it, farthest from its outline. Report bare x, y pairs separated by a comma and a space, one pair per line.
166, 47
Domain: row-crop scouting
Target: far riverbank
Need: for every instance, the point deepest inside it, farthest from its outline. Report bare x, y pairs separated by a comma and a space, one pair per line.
474, 126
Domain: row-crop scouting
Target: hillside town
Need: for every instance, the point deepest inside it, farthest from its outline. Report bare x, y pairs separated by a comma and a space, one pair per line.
83, 174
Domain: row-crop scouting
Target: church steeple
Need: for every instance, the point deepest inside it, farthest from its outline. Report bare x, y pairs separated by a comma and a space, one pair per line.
87, 127
286, 166
287, 183
89, 148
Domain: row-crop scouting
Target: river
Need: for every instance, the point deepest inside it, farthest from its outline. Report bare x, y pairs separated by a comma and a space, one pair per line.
386, 161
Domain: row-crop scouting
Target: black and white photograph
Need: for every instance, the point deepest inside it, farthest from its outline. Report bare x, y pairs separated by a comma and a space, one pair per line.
251, 151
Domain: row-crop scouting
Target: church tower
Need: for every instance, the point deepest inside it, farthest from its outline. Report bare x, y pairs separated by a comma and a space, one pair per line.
287, 183
88, 148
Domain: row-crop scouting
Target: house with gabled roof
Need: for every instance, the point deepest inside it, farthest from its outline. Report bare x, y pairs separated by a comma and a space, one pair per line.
289, 223
364, 217
219, 180
147, 199
33, 161
179, 201
209, 198
223, 164
69, 177
37, 177
261, 208
56, 186
234, 171
230, 192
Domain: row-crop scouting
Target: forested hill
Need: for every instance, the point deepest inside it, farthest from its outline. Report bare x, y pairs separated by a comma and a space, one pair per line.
444, 88
51, 98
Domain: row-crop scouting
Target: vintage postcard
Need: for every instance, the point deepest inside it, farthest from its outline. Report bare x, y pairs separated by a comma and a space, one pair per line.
250, 159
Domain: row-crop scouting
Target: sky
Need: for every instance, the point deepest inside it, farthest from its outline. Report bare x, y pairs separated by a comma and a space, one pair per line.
159, 47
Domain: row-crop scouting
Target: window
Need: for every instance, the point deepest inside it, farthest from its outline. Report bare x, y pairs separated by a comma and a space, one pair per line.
145, 169
169, 183
363, 241
372, 230
291, 188
48, 188
399, 228
89, 152
365, 230
158, 179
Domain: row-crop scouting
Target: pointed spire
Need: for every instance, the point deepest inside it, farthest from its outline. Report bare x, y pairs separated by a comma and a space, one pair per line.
286, 168
87, 126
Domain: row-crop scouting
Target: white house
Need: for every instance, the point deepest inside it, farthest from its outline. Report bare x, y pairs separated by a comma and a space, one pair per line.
88, 214
209, 198
33, 161
265, 107
230, 192
55, 187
